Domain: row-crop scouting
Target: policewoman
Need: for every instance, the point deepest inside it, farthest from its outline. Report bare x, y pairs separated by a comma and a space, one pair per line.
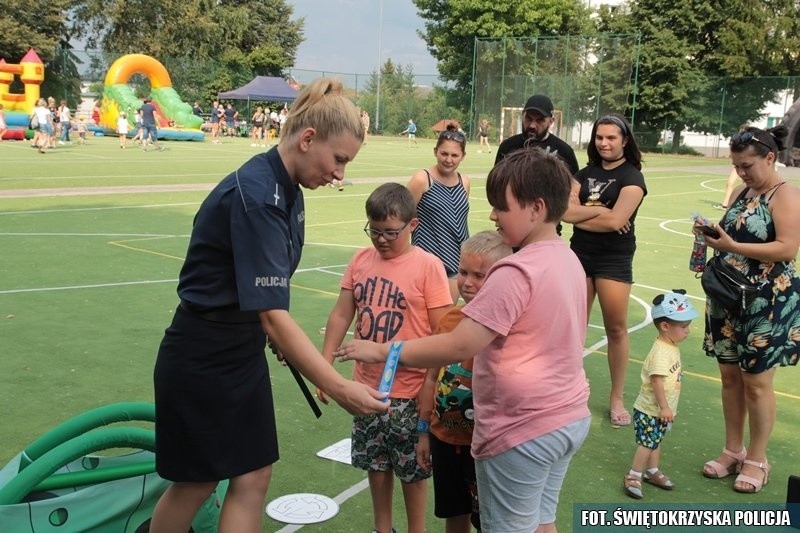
214, 411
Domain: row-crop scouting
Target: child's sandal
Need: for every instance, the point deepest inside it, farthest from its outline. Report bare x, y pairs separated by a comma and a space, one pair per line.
659, 479
633, 486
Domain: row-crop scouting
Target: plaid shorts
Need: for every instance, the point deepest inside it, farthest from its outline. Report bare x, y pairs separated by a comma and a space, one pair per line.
388, 441
650, 430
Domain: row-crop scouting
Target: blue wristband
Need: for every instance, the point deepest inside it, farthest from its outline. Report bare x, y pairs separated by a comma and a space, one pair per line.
422, 426
392, 361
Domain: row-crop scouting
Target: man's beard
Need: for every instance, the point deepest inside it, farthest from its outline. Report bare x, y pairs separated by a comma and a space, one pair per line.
536, 136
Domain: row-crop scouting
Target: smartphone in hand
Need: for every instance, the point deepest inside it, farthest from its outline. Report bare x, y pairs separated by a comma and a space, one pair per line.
708, 230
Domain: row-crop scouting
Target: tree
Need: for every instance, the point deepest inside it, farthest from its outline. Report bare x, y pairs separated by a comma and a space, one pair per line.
224, 43
400, 100
694, 56
453, 25
42, 26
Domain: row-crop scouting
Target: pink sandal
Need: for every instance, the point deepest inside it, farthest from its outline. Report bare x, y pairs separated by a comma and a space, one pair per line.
715, 470
755, 484
619, 418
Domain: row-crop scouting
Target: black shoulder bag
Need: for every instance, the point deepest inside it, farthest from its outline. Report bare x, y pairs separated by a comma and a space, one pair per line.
727, 286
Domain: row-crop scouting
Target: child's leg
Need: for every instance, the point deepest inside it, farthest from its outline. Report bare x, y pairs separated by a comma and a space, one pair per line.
642, 458
458, 524
369, 452
455, 493
415, 496
381, 485
653, 460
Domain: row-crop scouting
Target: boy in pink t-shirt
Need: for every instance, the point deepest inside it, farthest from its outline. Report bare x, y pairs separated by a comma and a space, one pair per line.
396, 292
527, 326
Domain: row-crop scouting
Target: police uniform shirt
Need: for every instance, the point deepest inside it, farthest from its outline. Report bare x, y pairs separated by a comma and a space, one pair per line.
247, 239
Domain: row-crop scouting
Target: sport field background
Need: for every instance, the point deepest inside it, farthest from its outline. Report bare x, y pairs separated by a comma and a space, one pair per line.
92, 238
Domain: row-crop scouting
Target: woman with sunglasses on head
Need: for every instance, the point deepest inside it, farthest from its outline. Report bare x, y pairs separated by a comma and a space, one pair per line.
442, 196
606, 195
759, 235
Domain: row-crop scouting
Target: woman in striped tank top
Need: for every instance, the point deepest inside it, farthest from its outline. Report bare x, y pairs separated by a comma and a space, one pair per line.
442, 196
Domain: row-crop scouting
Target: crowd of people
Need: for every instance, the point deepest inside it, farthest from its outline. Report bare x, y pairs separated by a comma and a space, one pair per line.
56, 124
490, 397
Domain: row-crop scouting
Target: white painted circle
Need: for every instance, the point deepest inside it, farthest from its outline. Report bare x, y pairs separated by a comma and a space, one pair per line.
302, 508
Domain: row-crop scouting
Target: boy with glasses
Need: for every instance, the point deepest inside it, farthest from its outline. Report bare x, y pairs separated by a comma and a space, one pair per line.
396, 291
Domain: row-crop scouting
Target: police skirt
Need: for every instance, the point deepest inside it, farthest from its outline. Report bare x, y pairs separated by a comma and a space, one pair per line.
214, 412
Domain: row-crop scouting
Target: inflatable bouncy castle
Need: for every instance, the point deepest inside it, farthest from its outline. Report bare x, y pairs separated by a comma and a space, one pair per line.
176, 119
19, 106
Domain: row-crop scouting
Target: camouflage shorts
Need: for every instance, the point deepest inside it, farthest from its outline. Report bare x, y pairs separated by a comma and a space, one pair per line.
388, 441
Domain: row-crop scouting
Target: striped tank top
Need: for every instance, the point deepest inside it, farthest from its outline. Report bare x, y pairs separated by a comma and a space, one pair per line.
442, 213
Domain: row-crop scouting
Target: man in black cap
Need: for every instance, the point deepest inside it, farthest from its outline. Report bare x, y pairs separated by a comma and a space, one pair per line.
537, 118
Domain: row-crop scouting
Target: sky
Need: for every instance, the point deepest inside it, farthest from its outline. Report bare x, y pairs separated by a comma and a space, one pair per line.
341, 36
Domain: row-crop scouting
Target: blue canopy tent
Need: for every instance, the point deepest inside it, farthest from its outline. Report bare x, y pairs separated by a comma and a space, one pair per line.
261, 88
266, 88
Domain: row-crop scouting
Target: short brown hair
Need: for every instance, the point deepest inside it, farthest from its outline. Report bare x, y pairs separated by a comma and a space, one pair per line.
391, 200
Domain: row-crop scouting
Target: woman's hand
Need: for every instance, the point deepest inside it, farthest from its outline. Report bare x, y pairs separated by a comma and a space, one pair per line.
359, 399
723, 243
361, 350
322, 396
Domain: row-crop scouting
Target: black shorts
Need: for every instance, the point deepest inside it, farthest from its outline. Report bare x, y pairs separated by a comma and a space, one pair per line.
614, 266
454, 486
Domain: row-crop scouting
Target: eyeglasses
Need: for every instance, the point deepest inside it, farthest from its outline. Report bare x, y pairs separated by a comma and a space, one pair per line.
389, 234
745, 138
450, 135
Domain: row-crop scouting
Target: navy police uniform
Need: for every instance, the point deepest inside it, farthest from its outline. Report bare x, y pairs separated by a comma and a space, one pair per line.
214, 410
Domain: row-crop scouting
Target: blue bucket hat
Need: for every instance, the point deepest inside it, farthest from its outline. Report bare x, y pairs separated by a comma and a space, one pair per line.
674, 306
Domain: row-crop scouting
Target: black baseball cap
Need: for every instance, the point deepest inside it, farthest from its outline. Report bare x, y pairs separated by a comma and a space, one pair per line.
540, 103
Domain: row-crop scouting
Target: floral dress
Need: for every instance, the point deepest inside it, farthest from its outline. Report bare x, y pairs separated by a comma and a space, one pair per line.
768, 332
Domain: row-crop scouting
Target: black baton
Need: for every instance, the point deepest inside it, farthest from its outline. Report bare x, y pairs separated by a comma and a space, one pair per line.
303, 387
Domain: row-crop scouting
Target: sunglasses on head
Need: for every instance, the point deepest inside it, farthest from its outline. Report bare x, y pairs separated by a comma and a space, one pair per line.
747, 137
450, 135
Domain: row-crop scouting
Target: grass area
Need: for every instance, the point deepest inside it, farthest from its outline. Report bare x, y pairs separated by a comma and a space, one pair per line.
87, 286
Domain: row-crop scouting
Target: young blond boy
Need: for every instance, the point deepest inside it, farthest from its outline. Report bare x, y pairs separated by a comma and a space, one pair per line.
448, 390
396, 292
655, 407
